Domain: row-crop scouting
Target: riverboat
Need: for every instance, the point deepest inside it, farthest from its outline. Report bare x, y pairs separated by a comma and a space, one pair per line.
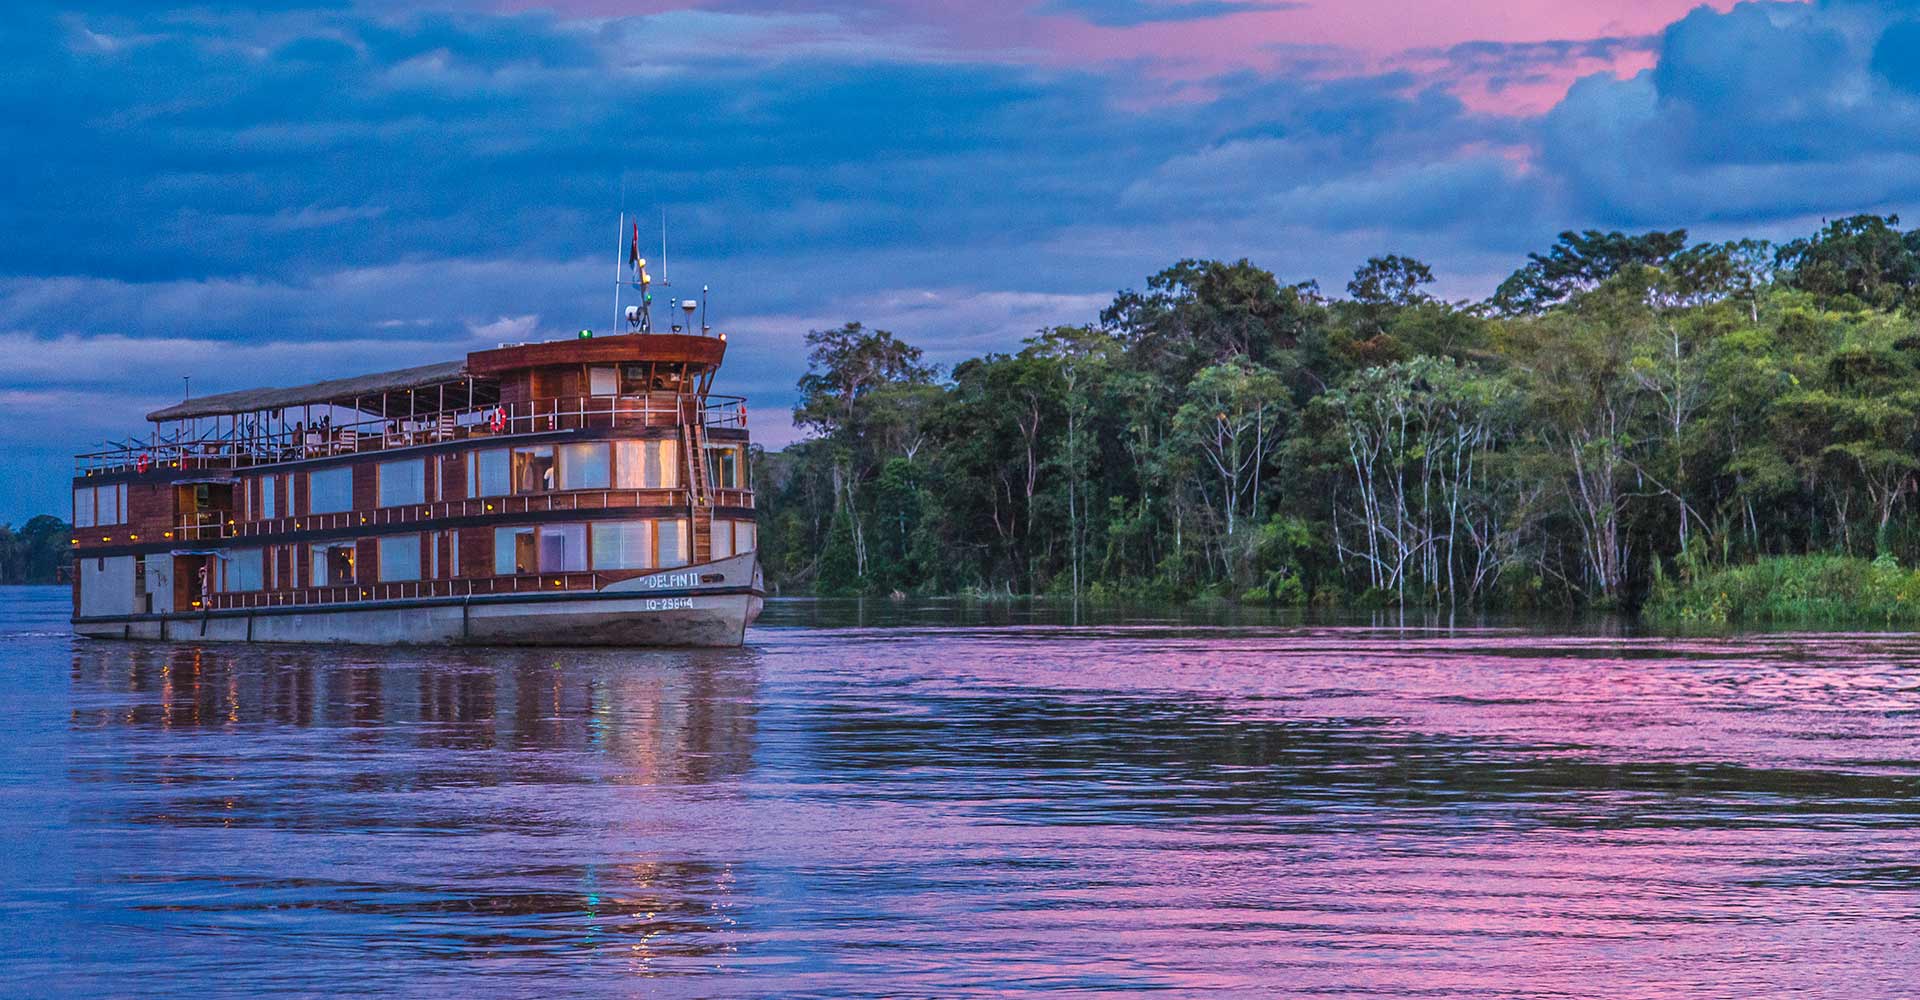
584, 491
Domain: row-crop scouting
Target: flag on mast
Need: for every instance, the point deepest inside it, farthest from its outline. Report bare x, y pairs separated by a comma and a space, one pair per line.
633, 252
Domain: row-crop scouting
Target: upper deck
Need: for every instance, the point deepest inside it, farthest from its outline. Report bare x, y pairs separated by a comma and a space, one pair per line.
624, 381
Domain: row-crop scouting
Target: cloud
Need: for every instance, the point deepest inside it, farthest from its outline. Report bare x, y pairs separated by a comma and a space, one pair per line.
1767, 111
1130, 13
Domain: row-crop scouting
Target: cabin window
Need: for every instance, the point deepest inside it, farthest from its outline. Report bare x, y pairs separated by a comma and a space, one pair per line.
723, 468
623, 545
720, 541
333, 564
402, 483
648, 465
244, 570
269, 501
513, 552
490, 471
602, 380
399, 558
330, 491
585, 466
745, 536
672, 544
99, 505
563, 548
533, 469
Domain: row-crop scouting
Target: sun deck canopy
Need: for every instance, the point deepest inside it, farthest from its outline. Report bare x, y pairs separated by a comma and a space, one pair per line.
365, 392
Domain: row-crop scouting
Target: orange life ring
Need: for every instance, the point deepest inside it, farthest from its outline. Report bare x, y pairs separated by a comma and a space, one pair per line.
498, 422
143, 463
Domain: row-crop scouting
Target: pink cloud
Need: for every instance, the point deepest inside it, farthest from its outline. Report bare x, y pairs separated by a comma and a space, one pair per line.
1317, 38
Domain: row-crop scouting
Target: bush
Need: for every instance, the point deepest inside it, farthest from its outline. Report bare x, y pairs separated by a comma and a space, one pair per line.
1810, 590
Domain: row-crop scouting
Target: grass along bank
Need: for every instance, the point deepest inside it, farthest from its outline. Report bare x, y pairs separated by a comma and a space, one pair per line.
1807, 590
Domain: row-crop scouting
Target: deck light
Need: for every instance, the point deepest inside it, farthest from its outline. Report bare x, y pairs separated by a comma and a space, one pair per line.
167, 534
586, 335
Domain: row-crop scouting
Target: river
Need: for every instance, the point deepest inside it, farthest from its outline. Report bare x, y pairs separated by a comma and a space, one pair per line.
941, 801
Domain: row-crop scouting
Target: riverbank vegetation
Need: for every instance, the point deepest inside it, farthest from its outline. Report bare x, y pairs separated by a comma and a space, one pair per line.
1625, 411
35, 552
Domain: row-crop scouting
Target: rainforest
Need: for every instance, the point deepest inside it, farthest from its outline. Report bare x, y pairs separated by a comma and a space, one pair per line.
1626, 420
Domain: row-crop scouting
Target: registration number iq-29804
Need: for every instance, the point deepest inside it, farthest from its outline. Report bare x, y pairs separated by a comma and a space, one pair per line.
666, 604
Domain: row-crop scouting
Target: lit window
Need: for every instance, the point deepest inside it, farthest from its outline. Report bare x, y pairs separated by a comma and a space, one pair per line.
333, 564
649, 465
672, 546
533, 470
623, 545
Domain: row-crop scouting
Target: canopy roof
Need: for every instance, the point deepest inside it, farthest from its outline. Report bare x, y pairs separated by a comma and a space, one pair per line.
366, 391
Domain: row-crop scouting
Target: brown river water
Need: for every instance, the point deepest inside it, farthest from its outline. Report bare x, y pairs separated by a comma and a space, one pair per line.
945, 801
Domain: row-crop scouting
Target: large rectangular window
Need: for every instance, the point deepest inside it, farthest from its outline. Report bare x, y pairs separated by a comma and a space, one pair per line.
333, 564
110, 504
513, 552
269, 497
403, 482
585, 466
490, 472
563, 548
623, 545
602, 380
672, 545
745, 536
399, 558
533, 470
330, 491
648, 465
245, 570
83, 507
550, 548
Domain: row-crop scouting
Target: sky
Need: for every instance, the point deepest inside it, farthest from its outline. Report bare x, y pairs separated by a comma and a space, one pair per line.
287, 190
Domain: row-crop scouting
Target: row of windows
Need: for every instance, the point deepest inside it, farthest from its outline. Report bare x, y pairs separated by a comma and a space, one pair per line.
519, 550
494, 472
94, 505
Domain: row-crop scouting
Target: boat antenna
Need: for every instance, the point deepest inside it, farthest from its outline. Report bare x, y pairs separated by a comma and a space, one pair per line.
664, 278
619, 237
703, 310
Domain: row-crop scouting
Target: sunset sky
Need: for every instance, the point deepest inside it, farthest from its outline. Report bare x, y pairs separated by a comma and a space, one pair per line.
279, 192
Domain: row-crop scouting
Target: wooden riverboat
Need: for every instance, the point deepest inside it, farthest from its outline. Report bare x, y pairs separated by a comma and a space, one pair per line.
587, 491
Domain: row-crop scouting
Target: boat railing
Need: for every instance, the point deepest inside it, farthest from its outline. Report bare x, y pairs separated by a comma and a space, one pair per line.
528, 503
245, 445
528, 583
204, 524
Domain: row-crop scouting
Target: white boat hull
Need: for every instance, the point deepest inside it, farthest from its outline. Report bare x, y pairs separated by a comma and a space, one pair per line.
707, 605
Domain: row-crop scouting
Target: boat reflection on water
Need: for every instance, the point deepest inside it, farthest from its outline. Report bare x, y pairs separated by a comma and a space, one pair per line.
490, 803
659, 717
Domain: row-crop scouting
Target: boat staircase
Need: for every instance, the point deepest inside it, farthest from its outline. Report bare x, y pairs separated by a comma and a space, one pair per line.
693, 441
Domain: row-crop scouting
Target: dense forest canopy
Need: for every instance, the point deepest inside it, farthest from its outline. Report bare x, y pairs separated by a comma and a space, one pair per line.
35, 552
1624, 406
